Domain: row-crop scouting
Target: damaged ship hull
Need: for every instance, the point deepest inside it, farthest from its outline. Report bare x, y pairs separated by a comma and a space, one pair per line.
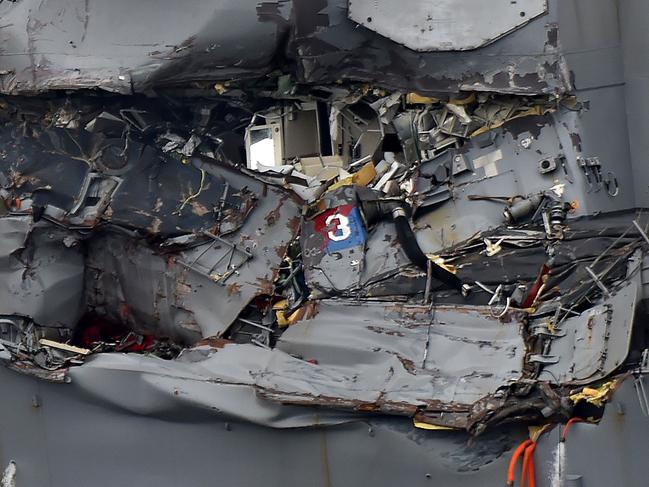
323, 243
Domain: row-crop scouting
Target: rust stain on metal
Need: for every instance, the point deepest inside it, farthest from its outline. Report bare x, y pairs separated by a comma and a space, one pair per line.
311, 310
385, 331
265, 285
199, 209
281, 250
234, 288
389, 407
30, 369
213, 342
307, 311
273, 215
408, 364
294, 225
17, 179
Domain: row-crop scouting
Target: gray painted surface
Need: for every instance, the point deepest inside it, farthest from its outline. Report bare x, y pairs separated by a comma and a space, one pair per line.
636, 69
120, 46
445, 26
58, 439
583, 339
68, 441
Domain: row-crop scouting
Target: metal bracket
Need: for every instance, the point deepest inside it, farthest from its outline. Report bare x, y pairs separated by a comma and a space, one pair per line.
547, 165
597, 281
644, 362
640, 390
611, 184
641, 231
543, 359
592, 169
4, 353
230, 269
566, 171
542, 329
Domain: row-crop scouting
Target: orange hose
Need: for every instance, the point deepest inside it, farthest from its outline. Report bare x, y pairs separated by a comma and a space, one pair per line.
570, 422
528, 476
512, 463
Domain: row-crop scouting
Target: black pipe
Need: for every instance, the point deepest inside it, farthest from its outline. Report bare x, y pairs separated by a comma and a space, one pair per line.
410, 246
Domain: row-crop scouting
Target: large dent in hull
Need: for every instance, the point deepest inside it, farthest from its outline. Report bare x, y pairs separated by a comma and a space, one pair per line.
134, 48
123, 47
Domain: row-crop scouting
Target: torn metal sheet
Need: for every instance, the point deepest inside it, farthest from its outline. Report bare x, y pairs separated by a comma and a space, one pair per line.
421, 348
342, 256
591, 345
219, 384
197, 290
177, 243
528, 60
71, 48
503, 163
395, 359
209, 226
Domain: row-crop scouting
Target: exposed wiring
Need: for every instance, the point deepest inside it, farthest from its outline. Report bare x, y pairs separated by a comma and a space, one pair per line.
195, 195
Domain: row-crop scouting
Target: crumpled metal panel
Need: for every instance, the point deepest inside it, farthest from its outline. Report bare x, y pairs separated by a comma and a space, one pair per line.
40, 275
131, 47
456, 25
216, 235
394, 353
30, 169
194, 290
505, 162
151, 192
593, 344
170, 199
329, 47
220, 384
364, 263
130, 283
392, 358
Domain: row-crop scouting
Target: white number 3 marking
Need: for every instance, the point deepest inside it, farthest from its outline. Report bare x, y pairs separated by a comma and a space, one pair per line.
342, 226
